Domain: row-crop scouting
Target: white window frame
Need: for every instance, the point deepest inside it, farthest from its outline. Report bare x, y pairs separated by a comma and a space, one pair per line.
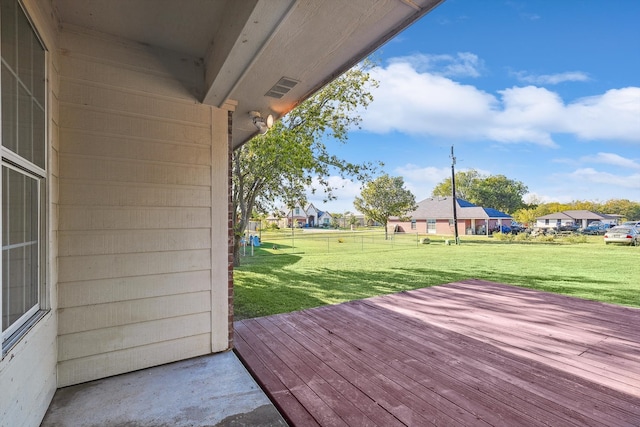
15, 162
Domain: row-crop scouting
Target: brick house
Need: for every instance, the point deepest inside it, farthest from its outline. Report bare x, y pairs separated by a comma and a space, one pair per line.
435, 216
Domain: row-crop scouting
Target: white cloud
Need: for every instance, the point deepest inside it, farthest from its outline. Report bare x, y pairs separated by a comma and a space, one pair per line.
586, 184
552, 79
421, 180
613, 115
346, 191
611, 159
425, 103
423, 175
463, 64
590, 175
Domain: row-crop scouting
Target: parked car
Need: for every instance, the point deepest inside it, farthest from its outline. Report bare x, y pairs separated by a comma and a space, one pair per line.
596, 229
635, 224
516, 227
568, 227
622, 234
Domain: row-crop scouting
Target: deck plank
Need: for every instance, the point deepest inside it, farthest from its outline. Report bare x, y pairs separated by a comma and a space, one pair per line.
469, 353
285, 401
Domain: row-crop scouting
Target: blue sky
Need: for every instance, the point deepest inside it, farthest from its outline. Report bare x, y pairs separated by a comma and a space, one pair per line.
545, 92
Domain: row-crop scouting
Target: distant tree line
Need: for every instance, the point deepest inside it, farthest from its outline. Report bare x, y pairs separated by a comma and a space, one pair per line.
504, 194
629, 210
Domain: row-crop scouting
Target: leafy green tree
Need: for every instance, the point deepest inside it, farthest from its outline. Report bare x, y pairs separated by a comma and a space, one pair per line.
628, 209
281, 164
335, 220
493, 191
525, 216
499, 192
465, 182
383, 198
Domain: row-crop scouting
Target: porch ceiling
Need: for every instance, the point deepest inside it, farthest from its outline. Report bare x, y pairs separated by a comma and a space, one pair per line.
248, 46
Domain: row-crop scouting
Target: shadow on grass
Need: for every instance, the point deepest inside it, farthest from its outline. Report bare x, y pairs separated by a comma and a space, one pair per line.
273, 289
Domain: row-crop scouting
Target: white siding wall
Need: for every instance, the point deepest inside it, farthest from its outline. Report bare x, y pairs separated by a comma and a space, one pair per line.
136, 261
28, 371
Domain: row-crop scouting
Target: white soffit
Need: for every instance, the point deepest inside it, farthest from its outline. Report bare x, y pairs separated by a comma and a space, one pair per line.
249, 45
315, 43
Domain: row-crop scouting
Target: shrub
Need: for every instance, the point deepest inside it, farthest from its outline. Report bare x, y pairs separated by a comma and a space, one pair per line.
507, 237
577, 238
425, 240
340, 240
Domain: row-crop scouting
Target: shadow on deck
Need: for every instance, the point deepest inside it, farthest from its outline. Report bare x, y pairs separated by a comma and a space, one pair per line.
470, 353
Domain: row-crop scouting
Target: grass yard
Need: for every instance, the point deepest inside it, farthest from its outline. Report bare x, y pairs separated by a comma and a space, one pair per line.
310, 270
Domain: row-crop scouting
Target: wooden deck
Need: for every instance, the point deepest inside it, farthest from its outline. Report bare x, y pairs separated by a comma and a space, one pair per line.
470, 353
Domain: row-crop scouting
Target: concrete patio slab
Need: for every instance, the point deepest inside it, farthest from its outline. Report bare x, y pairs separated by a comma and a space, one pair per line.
213, 390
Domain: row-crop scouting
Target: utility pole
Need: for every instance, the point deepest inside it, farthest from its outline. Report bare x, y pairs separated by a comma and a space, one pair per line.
453, 193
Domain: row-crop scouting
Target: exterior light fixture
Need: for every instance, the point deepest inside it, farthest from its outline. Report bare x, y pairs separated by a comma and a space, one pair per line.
261, 124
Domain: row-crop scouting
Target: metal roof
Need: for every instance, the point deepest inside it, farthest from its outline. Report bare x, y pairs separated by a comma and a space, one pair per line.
442, 207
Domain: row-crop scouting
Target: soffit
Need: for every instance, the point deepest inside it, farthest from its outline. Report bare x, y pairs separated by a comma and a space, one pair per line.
248, 46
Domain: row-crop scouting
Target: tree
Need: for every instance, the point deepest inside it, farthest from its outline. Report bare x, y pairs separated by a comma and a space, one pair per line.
499, 192
465, 182
493, 191
281, 164
385, 197
335, 220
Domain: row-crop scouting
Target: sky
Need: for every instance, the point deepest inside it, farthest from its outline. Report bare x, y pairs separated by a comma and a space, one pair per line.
545, 92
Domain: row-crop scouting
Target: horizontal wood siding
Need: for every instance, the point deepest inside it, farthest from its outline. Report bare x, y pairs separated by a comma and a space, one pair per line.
135, 238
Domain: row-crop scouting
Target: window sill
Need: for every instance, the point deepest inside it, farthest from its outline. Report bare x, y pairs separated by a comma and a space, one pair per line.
14, 338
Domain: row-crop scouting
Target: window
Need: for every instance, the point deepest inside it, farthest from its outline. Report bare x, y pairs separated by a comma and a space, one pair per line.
431, 225
22, 83
297, 211
413, 224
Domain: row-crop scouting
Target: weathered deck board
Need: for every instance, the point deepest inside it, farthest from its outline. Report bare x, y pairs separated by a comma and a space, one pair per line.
470, 353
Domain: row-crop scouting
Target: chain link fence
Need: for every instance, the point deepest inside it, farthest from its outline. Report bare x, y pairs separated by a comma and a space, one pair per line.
325, 242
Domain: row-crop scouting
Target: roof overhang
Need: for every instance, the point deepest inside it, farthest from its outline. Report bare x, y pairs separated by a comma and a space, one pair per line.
249, 46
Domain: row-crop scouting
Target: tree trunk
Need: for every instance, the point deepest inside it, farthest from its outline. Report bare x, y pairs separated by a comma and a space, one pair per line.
236, 252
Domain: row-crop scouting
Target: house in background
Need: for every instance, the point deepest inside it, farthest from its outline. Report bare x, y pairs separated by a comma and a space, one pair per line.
118, 123
580, 218
307, 217
296, 217
435, 216
324, 219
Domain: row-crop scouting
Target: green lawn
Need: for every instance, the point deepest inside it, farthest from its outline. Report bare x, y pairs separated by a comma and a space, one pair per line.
310, 270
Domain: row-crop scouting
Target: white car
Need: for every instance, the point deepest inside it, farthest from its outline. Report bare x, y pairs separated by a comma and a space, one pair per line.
623, 234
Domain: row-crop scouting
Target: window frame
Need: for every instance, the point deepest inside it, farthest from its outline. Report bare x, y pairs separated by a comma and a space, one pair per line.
28, 168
